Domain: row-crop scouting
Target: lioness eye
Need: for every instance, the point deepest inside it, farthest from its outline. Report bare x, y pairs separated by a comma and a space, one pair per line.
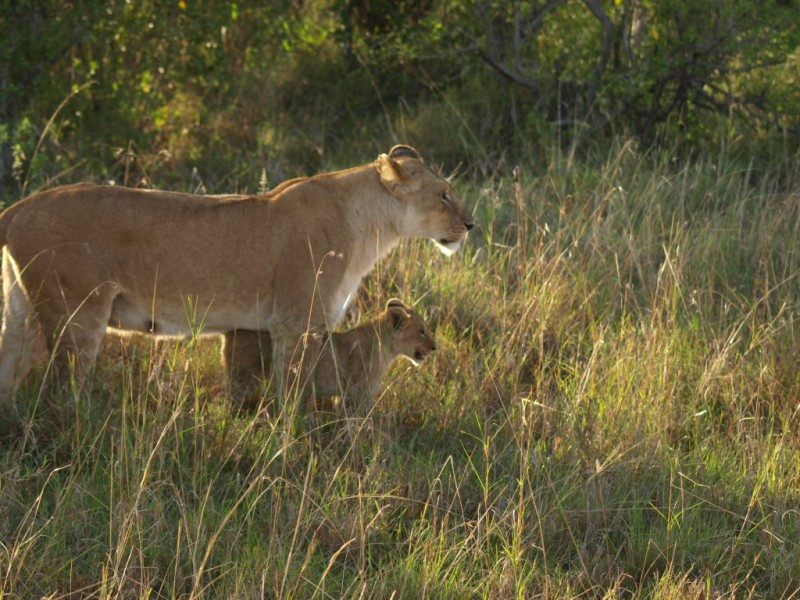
446, 199
423, 334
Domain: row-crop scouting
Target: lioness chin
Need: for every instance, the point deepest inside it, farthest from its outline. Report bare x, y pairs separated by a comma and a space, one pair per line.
81, 258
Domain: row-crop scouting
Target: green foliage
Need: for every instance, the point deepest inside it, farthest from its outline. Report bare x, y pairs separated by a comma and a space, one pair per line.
612, 408
132, 91
162, 74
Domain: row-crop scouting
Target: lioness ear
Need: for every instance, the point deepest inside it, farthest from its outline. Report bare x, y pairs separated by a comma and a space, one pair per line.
401, 150
396, 175
391, 173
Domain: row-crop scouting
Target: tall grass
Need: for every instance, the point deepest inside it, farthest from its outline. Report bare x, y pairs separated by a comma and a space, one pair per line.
612, 412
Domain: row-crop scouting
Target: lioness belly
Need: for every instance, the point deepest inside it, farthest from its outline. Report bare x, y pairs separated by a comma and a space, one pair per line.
177, 320
128, 315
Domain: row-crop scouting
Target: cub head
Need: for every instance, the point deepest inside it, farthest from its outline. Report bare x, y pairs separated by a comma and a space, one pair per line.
410, 336
430, 208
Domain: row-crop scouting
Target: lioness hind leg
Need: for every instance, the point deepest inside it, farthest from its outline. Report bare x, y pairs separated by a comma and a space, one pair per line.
74, 338
21, 341
247, 360
293, 359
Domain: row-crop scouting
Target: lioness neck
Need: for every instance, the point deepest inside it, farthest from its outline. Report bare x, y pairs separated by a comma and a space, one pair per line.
370, 210
362, 224
372, 217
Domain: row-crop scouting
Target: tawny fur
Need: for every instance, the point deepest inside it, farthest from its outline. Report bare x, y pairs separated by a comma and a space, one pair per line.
80, 258
352, 364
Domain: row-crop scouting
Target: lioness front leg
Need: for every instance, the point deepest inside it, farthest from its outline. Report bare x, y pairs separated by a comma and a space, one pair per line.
21, 341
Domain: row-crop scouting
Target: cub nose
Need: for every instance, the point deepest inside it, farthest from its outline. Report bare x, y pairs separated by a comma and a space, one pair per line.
469, 226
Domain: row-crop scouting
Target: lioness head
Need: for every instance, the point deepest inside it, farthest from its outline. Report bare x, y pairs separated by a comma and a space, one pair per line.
430, 206
410, 336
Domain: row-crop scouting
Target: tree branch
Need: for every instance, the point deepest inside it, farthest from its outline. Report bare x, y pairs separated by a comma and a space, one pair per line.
608, 42
514, 76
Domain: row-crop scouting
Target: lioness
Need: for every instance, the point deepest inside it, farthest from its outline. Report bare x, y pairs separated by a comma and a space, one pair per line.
80, 258
351, 364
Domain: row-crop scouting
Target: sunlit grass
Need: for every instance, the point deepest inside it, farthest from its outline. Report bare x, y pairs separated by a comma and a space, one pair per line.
611, 412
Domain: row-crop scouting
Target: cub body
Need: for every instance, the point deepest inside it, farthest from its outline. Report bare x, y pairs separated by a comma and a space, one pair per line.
351, 364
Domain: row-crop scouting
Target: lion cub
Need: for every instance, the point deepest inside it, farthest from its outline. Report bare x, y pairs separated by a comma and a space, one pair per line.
351, 364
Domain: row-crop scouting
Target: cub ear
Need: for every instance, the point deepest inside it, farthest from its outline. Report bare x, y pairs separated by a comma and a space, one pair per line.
399, 317
395, 303
397, 312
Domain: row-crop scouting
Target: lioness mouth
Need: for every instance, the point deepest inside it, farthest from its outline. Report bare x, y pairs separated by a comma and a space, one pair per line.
448, 248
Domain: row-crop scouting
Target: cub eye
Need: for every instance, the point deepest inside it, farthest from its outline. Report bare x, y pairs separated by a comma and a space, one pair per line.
446, 199
422, 333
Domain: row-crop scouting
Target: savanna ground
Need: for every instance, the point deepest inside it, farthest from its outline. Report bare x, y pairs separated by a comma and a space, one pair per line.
612, 412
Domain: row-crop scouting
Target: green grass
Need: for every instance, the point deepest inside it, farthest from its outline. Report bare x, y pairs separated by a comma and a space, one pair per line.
612, 413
